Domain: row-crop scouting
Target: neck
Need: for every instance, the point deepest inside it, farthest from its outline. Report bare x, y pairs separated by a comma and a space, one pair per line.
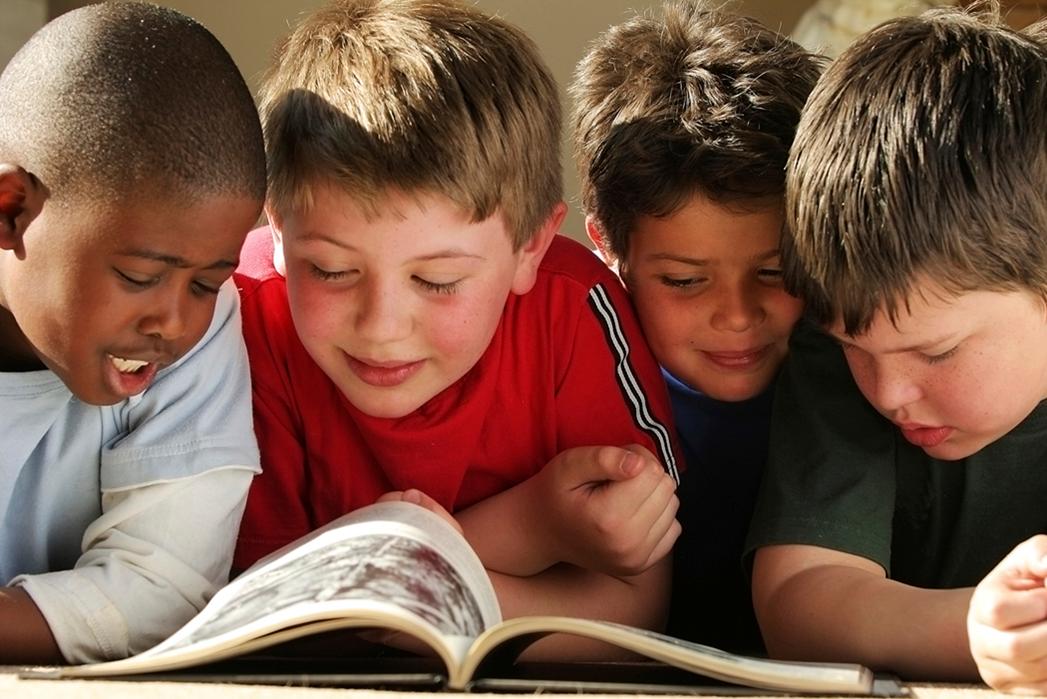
16, 353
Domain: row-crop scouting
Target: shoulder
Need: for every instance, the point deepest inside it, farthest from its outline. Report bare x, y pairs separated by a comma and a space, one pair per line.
572, 277
568, 261
256, 269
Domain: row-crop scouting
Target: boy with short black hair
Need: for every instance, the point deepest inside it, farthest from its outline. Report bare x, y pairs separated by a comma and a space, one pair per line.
683, 123
917, 237
415, 323
131, 168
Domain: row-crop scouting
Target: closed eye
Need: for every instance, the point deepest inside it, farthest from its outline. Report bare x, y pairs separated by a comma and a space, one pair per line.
941, 356
681, 282
444, 288
325, 275
769, 274
135, 280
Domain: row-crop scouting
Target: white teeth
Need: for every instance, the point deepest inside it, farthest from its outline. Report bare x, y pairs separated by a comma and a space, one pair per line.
127, 366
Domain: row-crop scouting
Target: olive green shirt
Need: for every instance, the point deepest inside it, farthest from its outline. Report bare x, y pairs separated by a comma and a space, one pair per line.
842, 477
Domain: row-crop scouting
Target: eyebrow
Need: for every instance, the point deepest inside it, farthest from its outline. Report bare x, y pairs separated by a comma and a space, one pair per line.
449, 253
918, 347
175, 261
669, 257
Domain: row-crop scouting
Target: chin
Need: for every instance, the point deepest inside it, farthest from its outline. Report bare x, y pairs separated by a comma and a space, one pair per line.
386, 407
733, 394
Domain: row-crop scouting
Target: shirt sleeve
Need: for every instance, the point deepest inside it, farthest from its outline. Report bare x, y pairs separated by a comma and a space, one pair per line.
612, 386
830, 477
277, 511
150, 562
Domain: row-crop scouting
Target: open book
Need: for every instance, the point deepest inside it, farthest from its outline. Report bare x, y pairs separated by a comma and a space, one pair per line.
398, 567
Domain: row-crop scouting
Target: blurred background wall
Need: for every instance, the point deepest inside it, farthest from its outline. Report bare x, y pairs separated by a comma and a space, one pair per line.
562, 29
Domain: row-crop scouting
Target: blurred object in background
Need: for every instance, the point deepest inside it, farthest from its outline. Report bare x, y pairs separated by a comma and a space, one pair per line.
1021, 14
829, 26
20, 19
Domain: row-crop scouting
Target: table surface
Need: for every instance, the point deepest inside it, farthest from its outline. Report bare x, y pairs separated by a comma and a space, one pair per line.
14, 687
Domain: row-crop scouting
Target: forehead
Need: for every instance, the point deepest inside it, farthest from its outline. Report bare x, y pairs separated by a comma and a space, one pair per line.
930, 313
333, 212
703, 222
193, 228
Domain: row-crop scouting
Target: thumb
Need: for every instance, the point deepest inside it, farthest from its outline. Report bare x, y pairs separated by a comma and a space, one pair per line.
617, 463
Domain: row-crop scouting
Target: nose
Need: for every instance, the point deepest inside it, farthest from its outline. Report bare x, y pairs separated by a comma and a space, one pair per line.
738, 309
168, 318
887, 386
382, 312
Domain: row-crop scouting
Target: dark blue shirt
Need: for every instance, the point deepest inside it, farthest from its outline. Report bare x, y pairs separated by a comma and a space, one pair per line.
725, 446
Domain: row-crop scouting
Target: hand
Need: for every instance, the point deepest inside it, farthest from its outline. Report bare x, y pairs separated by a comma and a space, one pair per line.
419, 498
609, 509
1007, 621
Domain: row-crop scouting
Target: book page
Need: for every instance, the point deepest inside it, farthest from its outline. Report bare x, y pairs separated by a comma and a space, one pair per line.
824, 678
395, 564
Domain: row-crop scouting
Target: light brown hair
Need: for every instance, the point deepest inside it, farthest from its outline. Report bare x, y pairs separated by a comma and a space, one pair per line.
922, 154
695, 101
418, 96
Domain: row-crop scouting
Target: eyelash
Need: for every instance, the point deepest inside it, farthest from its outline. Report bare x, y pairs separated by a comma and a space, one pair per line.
199, 288
935, 359
682, 283
324, 275
137, 283
771, 275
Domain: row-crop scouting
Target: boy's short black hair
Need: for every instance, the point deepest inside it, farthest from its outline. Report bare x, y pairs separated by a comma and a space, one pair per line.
921, 155
696, 101
122, 99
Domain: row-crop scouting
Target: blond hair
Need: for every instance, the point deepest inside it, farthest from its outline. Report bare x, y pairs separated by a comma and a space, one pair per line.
417, 96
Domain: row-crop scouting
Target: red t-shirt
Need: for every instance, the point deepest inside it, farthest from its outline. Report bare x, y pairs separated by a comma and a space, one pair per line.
567, 366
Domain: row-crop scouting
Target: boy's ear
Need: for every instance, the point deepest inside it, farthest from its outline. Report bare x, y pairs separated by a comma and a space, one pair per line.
531, 254
592, 229
22, 198
276, 227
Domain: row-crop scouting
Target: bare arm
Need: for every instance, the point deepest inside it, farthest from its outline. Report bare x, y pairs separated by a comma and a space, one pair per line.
606, 509
819, 604
25, 637
567, 590
640, 600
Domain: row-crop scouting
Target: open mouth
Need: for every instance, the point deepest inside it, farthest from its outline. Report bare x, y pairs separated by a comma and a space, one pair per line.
127, 366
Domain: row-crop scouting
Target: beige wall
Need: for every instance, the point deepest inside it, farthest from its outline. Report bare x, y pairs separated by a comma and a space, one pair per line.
20, 19
561, 28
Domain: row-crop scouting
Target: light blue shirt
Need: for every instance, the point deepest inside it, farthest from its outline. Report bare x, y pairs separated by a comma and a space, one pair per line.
120, 520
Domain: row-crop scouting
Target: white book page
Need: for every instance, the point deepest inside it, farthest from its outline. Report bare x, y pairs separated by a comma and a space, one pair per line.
387, 562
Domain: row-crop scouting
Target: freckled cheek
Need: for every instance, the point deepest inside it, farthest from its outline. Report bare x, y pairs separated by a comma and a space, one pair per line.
316, 315
462, 330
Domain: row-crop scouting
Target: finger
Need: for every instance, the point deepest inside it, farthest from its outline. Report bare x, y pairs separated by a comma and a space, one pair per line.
1004, 608
665, 545
1024, 679
659, 496
1028, 559
1025, 646
607, 463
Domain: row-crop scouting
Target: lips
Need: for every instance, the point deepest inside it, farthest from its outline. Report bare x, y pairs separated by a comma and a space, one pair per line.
738, 360
383, 374
127, 377
923, 436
